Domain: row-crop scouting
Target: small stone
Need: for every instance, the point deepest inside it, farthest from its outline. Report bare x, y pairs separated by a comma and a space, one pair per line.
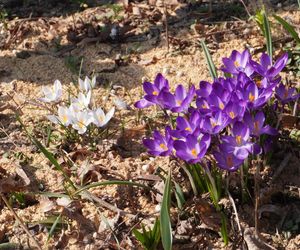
157, 208
180, 74
145, 167
166, 71
145, 79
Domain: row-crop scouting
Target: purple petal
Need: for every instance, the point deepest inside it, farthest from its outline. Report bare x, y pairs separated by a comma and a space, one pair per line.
142, 104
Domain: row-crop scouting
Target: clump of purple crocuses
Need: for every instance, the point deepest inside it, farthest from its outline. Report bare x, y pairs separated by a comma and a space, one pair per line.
223, 118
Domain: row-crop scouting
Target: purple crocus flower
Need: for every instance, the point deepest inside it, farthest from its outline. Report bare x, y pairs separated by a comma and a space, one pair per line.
216, 103
185, 127
255, 97
160, 145
256, 125
238, 62
180, 100
152, 92
235, 110
192, 150
266, 69
203, 106
215, 123
238, 143
285, 94
205, 89
227, 161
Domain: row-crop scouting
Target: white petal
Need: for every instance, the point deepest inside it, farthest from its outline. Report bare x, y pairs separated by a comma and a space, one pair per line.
53, 118
93, 82
57, 86
109, 115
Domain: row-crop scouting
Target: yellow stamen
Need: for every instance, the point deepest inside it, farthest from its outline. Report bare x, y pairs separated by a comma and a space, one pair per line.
188, 129
213, 124
163, 146
238, 139
251, 97
221, 105
231, 114
204, 106
229, 161
258, 83
194, 152
178, 102
80, 123
101, 118
236, 64
64, 118
154, 93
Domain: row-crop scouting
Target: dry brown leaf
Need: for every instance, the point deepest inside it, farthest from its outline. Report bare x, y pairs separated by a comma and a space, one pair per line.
208, 214
23, 175
46, 205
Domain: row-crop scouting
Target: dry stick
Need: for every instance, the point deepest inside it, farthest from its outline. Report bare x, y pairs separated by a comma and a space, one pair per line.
243, 3
295, 107
20, 222
235, 213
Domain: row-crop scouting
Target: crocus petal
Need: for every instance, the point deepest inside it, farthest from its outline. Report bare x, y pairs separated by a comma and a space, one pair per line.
109, 115
143, 103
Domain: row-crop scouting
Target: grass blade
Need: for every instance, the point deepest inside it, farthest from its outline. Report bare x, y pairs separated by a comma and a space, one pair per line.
268, 36
179, 196
210, 63
114, 182
46, 153
165, 223
288, 27
54, 227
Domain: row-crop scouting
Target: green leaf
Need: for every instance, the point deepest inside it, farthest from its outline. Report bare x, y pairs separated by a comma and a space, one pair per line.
46, 153
179, 196
149, 239
139, 236
165, 223
210, 63
288, 27
268, 36
54, 225
224, 232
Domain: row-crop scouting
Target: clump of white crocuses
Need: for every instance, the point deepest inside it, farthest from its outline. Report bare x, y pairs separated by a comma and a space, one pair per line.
79, 113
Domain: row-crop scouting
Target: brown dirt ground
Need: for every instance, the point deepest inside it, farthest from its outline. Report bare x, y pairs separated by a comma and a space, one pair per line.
21, 79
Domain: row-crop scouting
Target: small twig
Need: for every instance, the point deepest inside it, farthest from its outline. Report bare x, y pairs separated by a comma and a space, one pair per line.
105, 204
245, 6
20, 222
235, 213
295, 107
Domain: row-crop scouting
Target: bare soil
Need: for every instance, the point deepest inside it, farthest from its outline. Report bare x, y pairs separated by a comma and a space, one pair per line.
40, 49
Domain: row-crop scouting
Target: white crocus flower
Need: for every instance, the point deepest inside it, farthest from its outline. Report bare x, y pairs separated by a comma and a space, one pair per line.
65, 117
87, 84
100, 119
81, 121
82, 101
52, 94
